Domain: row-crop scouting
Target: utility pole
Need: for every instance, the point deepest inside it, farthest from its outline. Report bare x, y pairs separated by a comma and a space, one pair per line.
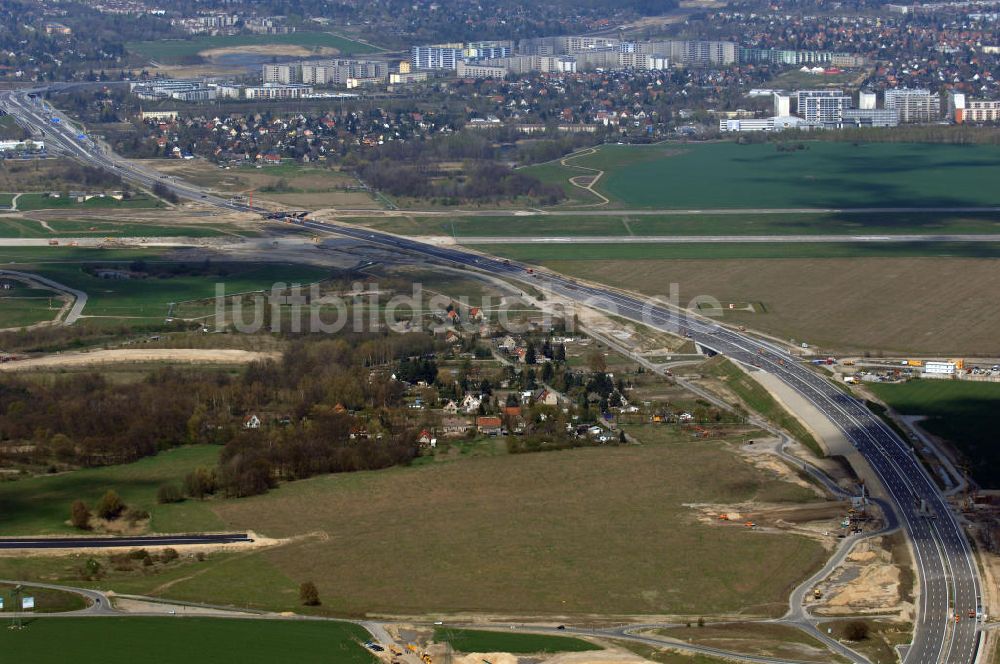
15, 596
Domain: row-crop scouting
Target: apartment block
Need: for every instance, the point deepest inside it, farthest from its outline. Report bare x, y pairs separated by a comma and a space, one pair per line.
476, 70
440, 56
914, 105
962, 109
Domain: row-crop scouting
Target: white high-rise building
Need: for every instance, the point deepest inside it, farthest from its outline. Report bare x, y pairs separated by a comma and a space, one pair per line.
823, 109
913, 105
439, 56
782, 105
866, 100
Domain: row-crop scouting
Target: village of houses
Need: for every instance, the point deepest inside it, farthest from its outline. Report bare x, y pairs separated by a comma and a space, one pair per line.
532, 392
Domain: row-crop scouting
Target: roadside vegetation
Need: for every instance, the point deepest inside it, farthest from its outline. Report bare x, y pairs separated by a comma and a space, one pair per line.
876, 639
760, 639
757, 399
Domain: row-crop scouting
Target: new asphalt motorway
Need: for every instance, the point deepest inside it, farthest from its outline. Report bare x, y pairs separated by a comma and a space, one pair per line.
949, 581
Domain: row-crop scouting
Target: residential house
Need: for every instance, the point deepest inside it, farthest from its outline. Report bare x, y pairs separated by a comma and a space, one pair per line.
489, 425
455, 426
251, 422
545, 397
427, 439
471, 403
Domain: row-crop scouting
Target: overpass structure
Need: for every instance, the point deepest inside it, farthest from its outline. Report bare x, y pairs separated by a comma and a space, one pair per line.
949, 608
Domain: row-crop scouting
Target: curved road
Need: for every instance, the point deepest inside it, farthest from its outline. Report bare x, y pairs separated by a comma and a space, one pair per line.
79, 297
943, 557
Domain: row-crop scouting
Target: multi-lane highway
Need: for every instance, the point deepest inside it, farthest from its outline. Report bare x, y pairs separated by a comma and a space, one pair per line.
118, 542
949, 582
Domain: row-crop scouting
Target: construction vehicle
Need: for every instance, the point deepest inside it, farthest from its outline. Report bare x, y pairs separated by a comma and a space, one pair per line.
817, 593
53, 243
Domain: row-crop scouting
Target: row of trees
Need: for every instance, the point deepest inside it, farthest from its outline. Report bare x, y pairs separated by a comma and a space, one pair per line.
480, 182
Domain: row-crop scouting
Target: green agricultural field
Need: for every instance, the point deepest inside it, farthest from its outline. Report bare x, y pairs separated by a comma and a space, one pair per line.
173, 50
824, 175
170, 640
519, 227
545, 253
469, 640
28, 202
965, 413
40, 505
6, 200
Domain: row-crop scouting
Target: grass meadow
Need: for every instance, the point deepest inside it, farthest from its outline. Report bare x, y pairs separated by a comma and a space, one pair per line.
595, 530
965, 413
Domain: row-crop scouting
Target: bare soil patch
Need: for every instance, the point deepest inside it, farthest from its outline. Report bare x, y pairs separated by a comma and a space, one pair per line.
288, 50
128, 355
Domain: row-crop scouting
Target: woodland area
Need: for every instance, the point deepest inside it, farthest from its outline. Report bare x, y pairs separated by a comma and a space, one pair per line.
309, 397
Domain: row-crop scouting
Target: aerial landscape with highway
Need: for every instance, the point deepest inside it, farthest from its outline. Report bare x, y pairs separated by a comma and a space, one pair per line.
611, 335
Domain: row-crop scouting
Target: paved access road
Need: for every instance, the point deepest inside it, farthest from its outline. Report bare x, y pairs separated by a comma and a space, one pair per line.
949, 581
109, 542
